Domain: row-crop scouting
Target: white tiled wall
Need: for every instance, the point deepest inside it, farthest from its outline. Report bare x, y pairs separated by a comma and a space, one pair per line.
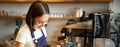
115, 6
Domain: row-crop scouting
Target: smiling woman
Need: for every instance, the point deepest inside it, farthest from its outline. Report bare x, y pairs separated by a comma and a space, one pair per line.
33, 33
41, 21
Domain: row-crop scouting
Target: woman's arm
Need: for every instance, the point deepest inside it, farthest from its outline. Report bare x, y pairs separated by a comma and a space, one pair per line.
18, 44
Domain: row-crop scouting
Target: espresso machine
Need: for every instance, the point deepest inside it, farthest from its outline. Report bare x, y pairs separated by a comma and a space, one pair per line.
75, 34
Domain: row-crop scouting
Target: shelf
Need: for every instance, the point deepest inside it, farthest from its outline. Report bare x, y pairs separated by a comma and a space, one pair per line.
99, 1
56, 1
11, 17
77, 1
17, 1
51, 18
63, 18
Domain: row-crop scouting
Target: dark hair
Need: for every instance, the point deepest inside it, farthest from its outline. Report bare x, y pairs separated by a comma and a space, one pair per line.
37, 8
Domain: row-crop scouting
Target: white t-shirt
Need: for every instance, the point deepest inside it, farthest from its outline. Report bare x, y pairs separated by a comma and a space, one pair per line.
24, 35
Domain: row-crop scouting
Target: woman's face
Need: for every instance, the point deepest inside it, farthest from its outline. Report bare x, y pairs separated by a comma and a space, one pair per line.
41, 21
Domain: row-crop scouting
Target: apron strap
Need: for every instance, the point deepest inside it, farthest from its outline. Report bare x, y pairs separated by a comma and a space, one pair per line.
39, 40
